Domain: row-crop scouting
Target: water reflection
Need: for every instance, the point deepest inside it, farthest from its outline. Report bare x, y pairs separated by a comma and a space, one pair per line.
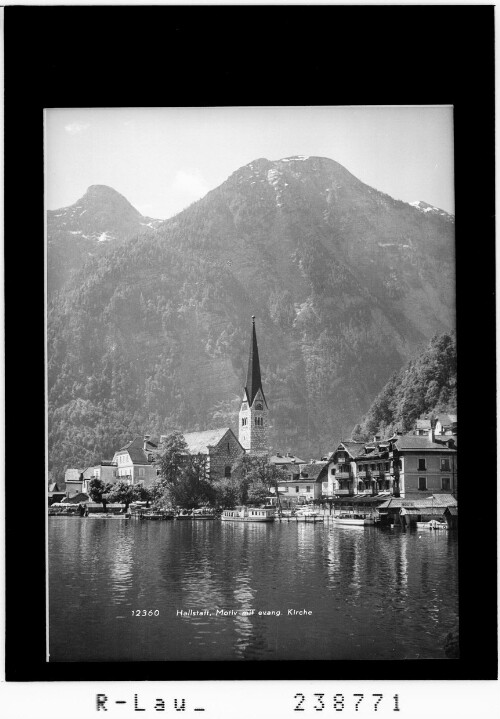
373, 594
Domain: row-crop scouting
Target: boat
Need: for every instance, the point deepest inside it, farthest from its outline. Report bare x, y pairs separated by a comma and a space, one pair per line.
357, 520
183, 514
433, 524
249, 514
101, 515
308, 515
203, 514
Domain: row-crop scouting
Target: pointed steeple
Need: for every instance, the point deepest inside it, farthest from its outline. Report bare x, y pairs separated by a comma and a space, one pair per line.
254, 382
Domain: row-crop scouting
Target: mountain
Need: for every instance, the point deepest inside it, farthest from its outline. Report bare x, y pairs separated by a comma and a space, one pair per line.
425, 207
102, 216
426, 385
346, 284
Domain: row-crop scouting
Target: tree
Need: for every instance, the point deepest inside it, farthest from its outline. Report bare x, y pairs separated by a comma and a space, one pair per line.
173, 458
125, 493
257, 493
121, 492
192, 488
142, 494
257, 473
99, 491
227, 493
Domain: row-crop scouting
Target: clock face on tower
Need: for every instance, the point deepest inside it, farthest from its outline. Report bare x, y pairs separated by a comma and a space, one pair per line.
258, 405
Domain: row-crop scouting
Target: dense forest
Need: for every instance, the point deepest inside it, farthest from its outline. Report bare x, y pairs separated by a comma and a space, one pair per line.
151, 334
426, 386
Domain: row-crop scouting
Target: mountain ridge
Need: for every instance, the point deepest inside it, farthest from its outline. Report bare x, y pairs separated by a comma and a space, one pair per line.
346, 283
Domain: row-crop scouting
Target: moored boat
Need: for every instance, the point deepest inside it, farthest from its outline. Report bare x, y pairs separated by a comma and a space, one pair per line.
249, 514
356, 520
433, 524
203, 514
308, 515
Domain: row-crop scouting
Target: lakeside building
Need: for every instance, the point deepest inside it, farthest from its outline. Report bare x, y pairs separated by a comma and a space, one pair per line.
303, 485
135, 462
399, 466
106, 471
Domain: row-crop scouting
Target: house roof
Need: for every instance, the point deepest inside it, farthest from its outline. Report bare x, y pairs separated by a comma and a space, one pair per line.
82, 497
353, 447
282, 459
313, 470
447, 418
435, 500
198, 442
423, 424
135, 448
57, 487
413, 441
430, 511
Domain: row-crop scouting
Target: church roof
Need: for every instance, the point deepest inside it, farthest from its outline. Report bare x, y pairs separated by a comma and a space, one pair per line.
198, 442
254, 382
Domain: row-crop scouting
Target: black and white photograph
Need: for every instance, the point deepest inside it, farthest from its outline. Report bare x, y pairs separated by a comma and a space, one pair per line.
251, 383
249, 292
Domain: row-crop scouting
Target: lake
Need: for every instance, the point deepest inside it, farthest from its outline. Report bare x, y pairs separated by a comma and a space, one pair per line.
341, 592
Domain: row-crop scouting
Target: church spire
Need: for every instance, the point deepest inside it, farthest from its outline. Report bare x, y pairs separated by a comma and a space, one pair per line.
254, 382
253, 417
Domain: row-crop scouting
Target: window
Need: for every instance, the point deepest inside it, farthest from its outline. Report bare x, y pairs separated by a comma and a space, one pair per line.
297, 488
445, 465
332, 471
227, 471
228, 449
284, 489
421, 465
308, 488
422, 483
141, 471
445, 483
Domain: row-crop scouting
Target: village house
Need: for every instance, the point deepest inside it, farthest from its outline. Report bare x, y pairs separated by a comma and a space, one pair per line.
426, 464
400, 466
73, 481
446, 424
304, 485
57, 492
106, 471
135, 462
288, 463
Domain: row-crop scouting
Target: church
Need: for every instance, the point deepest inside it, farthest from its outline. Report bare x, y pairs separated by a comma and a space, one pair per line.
221, 446
253, 418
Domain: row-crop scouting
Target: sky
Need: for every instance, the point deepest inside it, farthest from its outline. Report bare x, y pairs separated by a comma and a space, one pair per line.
163, 159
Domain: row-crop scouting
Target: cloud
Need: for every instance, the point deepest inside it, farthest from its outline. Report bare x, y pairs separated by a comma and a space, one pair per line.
74, 128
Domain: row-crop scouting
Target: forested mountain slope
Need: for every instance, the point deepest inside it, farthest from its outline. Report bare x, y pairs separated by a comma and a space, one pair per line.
153, 333
427, 385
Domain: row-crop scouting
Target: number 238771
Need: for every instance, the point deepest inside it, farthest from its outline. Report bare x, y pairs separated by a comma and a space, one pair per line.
339, 702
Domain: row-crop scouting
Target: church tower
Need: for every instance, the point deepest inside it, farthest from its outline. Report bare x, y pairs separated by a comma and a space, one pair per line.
253, 427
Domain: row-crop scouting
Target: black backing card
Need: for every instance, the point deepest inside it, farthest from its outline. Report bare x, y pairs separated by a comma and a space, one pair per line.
217, 56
